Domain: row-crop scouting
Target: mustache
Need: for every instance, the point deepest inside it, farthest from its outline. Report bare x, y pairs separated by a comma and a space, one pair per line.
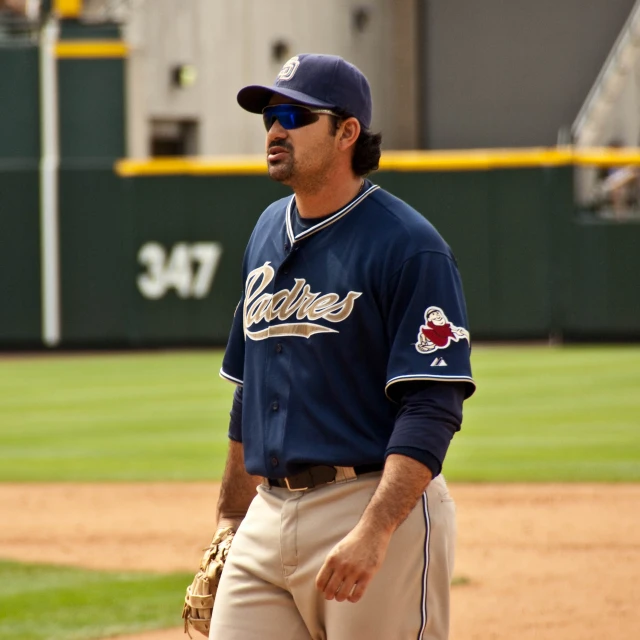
280, 143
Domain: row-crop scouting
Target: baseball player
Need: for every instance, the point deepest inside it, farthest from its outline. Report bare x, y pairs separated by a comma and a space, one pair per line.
341, 418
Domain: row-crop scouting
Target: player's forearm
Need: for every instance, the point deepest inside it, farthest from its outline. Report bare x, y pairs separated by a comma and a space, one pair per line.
403, 482
238, 488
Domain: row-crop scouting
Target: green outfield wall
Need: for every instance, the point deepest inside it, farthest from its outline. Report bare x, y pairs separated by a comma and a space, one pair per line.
20, 306
154, 258
148, 253
20, 309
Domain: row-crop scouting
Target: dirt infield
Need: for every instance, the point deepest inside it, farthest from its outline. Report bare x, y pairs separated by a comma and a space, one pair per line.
537, 561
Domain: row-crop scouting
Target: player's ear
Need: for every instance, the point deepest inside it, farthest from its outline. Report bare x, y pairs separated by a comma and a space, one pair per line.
348, 133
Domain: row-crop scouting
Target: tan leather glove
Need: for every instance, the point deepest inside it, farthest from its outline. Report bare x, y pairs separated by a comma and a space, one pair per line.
198, 603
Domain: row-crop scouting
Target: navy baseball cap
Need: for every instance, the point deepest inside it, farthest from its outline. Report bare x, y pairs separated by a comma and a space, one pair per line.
316, 80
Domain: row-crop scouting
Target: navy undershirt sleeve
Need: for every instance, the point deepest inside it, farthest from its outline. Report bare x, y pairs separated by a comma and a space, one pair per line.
235, 424
430, 413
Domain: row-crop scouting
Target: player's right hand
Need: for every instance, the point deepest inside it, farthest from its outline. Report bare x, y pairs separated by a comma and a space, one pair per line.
352, 564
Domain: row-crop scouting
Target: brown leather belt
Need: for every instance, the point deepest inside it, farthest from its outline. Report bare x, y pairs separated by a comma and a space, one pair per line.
322, 474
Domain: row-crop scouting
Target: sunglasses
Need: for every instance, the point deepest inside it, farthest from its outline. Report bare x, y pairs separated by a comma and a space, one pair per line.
292, 116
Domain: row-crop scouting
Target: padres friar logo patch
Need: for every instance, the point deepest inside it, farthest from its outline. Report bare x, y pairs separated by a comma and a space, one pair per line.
290, 67
437, 332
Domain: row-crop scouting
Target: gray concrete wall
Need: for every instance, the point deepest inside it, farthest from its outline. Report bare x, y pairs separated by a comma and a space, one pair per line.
230, 43
510, 73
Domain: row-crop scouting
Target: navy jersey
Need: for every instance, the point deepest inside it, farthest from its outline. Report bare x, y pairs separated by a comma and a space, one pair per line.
331, 322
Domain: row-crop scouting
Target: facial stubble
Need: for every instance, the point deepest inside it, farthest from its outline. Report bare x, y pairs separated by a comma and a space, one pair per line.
290, 172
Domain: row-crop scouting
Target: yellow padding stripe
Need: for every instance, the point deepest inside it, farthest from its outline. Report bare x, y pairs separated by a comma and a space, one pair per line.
603, 157
68, 8
472, 159
467, 160
223, 165
91, 49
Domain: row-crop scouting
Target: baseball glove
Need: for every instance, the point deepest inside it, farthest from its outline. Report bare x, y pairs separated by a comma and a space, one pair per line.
198, 603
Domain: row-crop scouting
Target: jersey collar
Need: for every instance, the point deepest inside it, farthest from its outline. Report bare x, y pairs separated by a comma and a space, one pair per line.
329, 221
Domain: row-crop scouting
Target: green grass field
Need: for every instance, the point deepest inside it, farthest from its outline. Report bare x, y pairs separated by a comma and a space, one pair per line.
540, 414
62, 603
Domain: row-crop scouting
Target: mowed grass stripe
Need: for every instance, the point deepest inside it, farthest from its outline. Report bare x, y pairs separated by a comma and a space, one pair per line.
551, 414
540, 413
41, 602
149, 416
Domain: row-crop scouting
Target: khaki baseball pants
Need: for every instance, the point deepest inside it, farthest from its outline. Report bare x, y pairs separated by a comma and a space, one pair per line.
267, 590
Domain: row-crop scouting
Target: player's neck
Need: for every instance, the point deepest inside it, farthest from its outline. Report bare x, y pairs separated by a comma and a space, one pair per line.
332, 196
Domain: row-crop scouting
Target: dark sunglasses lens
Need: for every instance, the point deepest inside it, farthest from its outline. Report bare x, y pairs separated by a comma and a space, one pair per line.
289, 116
268, 120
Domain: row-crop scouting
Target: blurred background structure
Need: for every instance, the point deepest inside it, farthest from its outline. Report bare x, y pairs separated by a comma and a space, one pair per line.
187, 59
130, 179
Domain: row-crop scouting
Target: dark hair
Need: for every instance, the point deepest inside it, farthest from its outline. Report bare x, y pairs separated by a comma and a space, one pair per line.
366, 153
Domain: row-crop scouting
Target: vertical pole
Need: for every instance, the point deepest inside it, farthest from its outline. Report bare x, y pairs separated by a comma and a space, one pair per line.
49, 163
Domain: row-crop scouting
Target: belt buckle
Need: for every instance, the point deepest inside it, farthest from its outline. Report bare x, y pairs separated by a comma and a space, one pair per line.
286, 481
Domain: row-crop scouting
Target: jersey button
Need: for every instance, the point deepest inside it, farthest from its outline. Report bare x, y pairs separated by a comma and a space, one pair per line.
278, 348
275, 406
287, 246
274, 462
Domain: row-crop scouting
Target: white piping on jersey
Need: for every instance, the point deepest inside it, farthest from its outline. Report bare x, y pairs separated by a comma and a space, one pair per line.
226, 376
429, 376
425, 573
334, 218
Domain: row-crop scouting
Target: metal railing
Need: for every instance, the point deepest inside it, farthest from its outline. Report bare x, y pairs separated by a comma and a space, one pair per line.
16, 28
590, 126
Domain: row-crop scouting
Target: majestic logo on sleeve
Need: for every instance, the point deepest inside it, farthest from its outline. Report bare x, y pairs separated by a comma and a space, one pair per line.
438, 332
297, 303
